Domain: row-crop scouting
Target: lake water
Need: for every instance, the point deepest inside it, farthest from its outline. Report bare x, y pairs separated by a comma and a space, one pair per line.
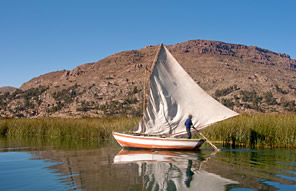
39, 164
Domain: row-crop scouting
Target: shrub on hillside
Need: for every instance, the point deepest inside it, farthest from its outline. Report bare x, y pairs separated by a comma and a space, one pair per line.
269, 99
226, 91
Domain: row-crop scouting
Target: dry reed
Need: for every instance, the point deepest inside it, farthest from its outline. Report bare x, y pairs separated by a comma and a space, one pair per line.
257, 130
85, 128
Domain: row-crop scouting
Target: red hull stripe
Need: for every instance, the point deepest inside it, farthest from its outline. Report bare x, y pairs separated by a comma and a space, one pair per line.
144, 146
154, 138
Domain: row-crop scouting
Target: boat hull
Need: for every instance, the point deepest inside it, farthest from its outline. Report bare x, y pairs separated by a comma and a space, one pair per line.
144, 142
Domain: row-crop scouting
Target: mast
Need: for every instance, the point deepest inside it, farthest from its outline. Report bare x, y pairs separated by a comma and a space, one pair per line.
145, 80
156, 58
144, 96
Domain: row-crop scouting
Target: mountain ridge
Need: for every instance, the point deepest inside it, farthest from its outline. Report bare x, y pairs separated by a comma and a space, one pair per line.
244, 78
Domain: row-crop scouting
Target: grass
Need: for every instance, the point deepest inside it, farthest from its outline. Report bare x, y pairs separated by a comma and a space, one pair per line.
85, 128
257, 130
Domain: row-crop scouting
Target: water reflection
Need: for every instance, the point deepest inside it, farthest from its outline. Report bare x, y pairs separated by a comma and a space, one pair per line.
80, 165
189, 174
170, 170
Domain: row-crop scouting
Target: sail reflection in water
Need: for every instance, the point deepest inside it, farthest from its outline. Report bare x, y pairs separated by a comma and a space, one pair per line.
169, 170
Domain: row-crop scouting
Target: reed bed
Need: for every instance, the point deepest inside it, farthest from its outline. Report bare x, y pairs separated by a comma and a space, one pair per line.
41, 142
257, 130
85, 128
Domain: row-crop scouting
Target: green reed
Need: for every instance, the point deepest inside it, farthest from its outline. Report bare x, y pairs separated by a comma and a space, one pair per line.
33, 142
257, 130
84, 128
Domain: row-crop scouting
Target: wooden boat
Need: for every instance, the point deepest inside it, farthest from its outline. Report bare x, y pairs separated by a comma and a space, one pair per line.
146, 142
173, 96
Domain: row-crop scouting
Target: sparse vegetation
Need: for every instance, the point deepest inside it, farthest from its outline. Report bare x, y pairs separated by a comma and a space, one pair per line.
227, 102
109, 78
131, 100
56, 108
19, 115
278, 89
85, 106
19, 100
226, 91
135, 90
125, 108
289, 105
249, 96
253, 98
31, 93
291, 87
269, 99
93, 85
66, 95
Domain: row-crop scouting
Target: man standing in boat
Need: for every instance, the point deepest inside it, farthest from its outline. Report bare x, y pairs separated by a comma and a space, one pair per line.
188, 124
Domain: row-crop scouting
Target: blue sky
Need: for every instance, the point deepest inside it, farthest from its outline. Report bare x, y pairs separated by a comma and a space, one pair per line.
41, 36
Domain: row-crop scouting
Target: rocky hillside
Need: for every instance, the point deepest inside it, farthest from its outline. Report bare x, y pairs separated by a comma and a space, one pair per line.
244, 78
7, 89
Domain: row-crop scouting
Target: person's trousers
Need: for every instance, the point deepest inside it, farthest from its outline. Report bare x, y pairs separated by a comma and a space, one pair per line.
188, 133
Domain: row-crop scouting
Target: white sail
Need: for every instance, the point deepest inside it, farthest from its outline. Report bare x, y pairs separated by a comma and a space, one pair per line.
173, 95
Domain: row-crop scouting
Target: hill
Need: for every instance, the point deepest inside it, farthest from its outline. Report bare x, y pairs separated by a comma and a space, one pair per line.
7, 89
244, 78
